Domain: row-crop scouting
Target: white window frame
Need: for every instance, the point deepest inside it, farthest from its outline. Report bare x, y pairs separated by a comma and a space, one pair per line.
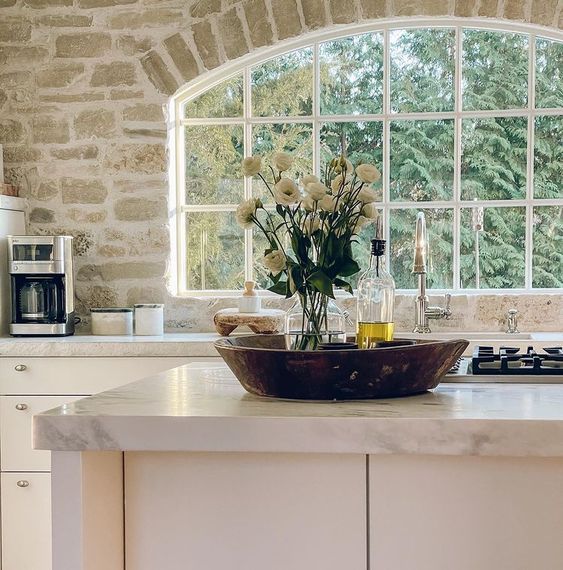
213, 78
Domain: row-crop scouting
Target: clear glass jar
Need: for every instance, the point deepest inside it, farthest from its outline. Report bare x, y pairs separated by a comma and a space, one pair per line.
313, 319
376, 300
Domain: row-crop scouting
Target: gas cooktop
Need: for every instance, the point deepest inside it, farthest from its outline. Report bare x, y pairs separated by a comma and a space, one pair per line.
510, 365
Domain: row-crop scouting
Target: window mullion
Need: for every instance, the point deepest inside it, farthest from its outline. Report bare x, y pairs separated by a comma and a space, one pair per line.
386, 178
458, 126
316, 111
530, 164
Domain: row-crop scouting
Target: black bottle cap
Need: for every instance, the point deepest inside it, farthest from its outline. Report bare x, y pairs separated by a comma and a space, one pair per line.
378, 247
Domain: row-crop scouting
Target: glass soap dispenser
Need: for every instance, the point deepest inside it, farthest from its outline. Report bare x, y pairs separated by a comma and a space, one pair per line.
376, 297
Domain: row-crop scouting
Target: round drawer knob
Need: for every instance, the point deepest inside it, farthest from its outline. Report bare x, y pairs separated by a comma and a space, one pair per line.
22, 483
21, 407
20, 367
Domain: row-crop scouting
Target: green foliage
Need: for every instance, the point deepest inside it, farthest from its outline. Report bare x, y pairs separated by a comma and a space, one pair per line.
422, 70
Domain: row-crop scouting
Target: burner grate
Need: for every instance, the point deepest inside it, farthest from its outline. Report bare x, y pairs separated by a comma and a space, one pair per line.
509, 360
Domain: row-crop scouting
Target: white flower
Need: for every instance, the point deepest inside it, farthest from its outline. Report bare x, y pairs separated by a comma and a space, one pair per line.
251, 165
316, 190
308, 179
274, 261
367, 195
370, 211
282, 161
286, 192
310, 225
328, 203
337, 183
246, 211
367, 173
308, 203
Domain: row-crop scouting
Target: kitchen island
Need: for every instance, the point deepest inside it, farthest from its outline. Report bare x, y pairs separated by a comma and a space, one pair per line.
186, 470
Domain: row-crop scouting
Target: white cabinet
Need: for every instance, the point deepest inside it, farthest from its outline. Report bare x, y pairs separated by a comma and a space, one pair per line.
252, 511
26, 521
30, 385
12, 222
15, 424
465, 513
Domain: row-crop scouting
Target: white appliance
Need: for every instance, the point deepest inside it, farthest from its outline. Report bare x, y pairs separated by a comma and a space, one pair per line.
12, 222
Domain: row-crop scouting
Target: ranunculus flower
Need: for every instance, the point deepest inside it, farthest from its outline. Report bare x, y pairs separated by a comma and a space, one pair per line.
328, 203
286, 192
308, 179
282, 161
316, 190
310, 225
308, 203
367, 195
246, 211
370, 211
274, 261
367, 173
251, 165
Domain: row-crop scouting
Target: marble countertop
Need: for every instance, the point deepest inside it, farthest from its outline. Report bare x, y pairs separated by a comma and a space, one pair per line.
201, 344
168, 344
201, 407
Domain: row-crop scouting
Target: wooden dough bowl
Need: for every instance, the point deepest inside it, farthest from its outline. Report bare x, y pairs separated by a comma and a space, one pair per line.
264, 367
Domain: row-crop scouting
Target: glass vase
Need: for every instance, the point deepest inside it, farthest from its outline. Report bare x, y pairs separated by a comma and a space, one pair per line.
313, 319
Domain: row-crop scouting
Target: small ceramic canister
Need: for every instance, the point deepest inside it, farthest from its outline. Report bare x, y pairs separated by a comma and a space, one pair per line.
149, 319
112, 321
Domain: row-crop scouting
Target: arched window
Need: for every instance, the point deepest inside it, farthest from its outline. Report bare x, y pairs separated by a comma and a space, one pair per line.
465, 123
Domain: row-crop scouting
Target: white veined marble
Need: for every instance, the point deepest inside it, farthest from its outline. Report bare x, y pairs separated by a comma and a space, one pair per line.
168, 344
201, 407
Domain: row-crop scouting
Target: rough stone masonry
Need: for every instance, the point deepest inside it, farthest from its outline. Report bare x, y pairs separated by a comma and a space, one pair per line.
83, 85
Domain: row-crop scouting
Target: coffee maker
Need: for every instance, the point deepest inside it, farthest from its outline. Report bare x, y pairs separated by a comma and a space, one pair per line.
42, 287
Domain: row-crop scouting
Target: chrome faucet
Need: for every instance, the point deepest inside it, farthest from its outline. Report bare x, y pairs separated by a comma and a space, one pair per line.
422, 311
512, 321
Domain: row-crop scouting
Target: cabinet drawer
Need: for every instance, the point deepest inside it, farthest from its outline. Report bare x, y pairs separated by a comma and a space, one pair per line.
77, 375
15, 423
26, 521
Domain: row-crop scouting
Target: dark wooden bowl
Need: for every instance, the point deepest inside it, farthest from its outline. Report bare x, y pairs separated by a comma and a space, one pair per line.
264, 367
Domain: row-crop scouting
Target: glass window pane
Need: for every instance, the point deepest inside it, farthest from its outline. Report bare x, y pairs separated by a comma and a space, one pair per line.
284, 85
547, 255
352, 75
494, 70
492, 243
548, 157
422, 70
293, 138
549, 74
223, 100
422, 160
439, 225
360, 142
493, 163
213, 157
215, 251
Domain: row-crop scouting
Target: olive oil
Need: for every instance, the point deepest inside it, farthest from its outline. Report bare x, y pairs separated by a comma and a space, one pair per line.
370, 333
376, 297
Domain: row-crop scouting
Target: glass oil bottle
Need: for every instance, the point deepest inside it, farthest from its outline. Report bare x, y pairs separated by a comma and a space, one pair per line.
376, 297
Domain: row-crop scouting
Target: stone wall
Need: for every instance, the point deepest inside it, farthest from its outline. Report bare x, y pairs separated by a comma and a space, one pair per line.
83, 85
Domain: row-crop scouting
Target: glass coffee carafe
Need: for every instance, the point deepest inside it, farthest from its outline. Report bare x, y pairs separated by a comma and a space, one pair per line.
38, 301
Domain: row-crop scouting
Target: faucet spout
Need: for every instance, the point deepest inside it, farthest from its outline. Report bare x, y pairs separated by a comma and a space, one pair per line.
422, 311
420, 245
